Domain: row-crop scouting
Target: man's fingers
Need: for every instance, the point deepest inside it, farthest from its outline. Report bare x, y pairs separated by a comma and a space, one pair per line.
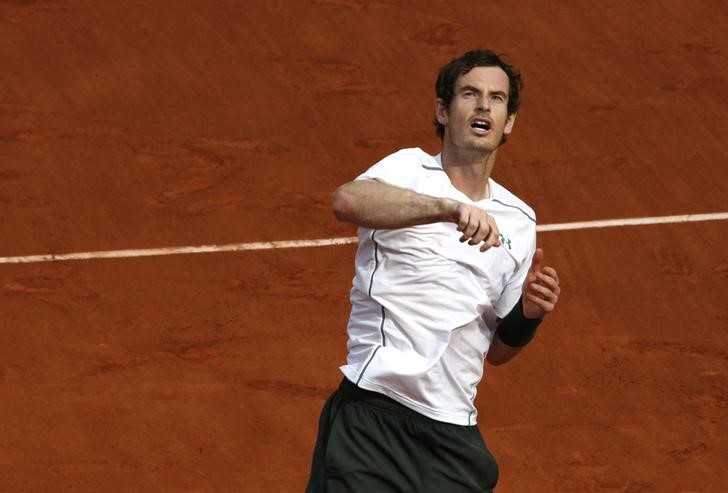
550, 281
492, 239
479, 232
543, 292
463, 219
494, 233
545, 305
477, 227
470, 232
551, 272
469, 223
537, 261
542, 285
485, 233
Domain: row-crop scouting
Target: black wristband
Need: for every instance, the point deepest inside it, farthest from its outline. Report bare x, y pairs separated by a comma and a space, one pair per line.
515, 329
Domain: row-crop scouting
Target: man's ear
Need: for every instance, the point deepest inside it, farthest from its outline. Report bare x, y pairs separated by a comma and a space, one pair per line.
510, 121
440, 112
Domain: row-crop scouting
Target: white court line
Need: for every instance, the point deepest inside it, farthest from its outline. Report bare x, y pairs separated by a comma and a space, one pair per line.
273, 245
637, 221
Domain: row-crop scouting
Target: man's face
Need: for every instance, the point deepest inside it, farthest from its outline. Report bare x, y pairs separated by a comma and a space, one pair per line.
477, 118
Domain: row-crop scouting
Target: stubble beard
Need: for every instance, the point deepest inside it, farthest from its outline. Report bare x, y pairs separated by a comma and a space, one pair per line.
471, 147
479, 146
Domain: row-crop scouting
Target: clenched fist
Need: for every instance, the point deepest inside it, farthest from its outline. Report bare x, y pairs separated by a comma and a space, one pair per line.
477, 226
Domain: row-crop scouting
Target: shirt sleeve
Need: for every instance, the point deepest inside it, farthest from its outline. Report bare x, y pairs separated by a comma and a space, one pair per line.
402, 169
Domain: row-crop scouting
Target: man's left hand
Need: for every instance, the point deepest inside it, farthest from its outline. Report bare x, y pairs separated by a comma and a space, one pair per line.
541, 289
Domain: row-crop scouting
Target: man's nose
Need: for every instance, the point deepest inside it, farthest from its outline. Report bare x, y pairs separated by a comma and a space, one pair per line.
483, 103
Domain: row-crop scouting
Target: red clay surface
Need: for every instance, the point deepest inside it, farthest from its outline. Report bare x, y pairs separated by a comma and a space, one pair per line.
150, 124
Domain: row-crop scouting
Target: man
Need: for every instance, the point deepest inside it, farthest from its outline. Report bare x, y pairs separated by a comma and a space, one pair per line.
447, 276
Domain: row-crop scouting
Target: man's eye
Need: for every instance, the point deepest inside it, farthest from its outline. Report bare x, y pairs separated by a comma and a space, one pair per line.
499, 98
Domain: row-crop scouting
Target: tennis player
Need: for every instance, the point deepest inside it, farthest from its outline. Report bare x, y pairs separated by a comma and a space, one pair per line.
448, 276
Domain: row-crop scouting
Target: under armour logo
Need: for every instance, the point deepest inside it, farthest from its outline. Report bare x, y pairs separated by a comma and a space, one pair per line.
505, 241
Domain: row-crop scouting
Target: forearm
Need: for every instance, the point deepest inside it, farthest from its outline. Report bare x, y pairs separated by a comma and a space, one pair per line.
377, 205
499, 352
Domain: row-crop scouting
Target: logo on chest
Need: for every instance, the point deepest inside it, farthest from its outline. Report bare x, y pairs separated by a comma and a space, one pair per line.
505, 241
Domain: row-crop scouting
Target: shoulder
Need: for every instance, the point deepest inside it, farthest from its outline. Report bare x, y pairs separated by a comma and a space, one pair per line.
413, 156
504, 197
403, 165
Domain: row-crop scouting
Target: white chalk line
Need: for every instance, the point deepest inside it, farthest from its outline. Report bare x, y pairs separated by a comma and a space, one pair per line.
637, 221
274, 245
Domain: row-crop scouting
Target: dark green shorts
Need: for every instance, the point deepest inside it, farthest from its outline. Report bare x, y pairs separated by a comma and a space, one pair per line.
369, 443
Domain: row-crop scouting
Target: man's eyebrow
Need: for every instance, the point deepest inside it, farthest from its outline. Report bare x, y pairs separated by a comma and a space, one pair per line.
478, 91
470, 88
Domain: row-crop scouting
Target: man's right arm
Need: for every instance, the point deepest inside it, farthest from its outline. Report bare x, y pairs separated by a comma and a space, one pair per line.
376, 205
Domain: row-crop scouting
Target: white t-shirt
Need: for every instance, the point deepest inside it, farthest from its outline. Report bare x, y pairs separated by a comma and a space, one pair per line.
424, 305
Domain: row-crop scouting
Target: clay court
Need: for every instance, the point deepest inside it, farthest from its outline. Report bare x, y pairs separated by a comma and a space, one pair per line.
150, 125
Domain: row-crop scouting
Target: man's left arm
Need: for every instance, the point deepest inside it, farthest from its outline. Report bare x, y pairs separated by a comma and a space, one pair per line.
539, 296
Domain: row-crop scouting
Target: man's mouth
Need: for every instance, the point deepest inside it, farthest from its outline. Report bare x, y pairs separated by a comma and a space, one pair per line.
481, 125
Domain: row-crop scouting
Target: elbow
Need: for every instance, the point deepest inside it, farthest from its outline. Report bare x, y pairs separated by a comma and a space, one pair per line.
342, 203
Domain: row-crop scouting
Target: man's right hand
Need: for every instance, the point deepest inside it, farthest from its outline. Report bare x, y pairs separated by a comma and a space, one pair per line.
477, 226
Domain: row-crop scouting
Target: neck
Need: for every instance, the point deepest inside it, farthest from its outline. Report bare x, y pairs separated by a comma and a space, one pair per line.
469, 171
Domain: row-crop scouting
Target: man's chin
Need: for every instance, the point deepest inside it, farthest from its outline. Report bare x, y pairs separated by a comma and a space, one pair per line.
481, 146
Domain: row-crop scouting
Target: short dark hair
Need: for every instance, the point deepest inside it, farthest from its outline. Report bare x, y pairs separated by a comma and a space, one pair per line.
445, 84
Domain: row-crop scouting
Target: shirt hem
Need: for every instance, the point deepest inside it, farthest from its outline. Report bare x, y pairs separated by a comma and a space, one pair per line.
456, 419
